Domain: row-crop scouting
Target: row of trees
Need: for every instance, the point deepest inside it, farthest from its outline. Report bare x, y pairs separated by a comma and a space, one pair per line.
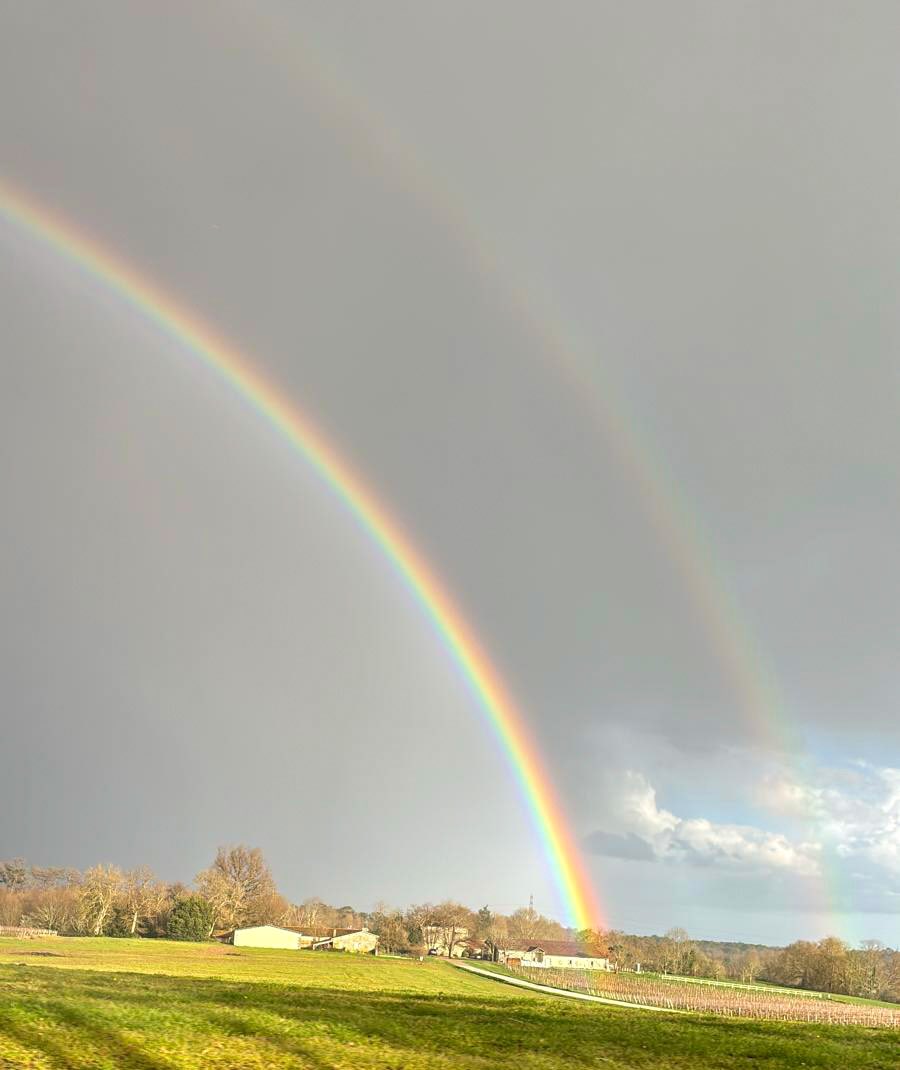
101, 900
238, 889
447, 926
871, 970
676, 953
829, 965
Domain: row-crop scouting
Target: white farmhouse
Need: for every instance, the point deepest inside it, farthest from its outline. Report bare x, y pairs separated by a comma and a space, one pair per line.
558, 954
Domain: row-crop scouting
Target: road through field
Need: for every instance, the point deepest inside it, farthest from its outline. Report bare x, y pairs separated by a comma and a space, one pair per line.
563, 991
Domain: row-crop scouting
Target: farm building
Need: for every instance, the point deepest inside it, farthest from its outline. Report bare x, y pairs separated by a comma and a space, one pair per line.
293, 938
561, 954
358, 940
264, 936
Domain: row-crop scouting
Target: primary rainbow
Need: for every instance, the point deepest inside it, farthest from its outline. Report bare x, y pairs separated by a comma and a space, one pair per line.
381, 148
506, 721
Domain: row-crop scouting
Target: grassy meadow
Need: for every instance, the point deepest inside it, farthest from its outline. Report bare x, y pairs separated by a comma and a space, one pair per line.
149, 1004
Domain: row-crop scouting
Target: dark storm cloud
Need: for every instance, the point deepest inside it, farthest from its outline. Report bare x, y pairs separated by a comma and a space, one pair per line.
705, 193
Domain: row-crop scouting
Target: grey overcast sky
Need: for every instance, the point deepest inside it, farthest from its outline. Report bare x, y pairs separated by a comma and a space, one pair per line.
601, 299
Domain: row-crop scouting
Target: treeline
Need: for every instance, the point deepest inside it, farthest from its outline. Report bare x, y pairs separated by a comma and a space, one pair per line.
677, 953
829, 965
238, 889
871, 970
452, 928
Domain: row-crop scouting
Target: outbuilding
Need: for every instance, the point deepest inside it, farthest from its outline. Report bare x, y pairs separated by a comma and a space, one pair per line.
559, 954
360, 941
266, 936
292, 939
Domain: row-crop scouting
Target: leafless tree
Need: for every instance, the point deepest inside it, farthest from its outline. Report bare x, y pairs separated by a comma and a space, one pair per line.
53, 908
100, 888
239, 884
142, 896
454, 923
526, 925
53, 876
14, 874
421, 924
389, 925
311, 913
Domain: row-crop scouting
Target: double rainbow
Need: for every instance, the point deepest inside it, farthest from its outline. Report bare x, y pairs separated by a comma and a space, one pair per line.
197, 338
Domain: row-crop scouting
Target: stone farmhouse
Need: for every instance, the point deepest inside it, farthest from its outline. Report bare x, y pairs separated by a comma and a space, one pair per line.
290, 937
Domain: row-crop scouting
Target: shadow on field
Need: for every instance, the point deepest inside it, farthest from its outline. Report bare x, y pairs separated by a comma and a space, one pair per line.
42, 1036
130, 1019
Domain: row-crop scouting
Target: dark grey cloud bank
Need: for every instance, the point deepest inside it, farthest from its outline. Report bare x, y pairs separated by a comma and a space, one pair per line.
199, 646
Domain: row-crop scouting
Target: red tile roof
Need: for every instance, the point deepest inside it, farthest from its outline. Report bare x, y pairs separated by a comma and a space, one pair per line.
569, 948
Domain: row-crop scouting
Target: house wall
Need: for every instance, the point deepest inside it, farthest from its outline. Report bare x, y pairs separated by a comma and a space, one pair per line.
575, 962
559, 962
519, 958
356, 942
266, 936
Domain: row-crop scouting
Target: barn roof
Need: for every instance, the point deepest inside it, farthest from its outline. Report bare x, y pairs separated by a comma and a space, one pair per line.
562, 947
322, 931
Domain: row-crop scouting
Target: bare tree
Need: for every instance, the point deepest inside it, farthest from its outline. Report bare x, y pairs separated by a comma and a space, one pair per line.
100, 888
832, 961
311, 913
14, 874
141, 896
53, 908
53, 876
526, 925
679, 952
238, 884
389, 925
10, 907
750, 966
421, 924
454, 923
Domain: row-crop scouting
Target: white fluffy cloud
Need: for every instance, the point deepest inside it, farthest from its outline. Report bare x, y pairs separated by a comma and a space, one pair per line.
854, 811
642, 830
834, 825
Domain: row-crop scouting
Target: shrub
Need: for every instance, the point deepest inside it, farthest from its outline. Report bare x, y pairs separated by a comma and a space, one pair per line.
118, 923
191, 918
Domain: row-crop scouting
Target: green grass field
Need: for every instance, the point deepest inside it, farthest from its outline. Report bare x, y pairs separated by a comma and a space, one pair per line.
154, 1004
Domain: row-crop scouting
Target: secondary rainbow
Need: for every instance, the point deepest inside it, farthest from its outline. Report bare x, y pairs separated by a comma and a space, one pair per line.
506, 721
531, 303
381, 148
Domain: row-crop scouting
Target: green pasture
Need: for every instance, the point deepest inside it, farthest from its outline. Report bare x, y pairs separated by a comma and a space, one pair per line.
107, 1004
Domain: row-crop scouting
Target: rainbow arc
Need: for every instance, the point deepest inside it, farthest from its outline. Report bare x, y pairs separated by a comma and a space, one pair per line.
200, 340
